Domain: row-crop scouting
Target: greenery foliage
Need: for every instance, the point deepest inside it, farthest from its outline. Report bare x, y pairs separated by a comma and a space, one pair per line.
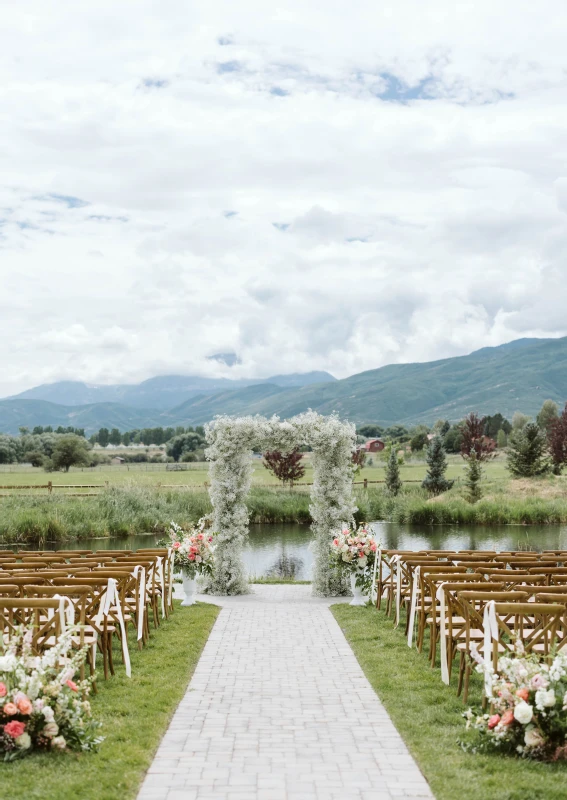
435, 481
527, 452
393, 479
473, 477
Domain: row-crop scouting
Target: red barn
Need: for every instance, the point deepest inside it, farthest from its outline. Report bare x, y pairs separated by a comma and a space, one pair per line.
374, 445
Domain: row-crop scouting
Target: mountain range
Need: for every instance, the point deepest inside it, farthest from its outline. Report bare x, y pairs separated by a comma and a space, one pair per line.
518, 375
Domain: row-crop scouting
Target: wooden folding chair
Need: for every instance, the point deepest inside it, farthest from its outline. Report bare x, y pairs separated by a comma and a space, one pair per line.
470, 606
33, 613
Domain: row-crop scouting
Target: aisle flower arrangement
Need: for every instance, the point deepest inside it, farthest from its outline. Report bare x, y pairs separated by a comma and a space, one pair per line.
528, 701
41, 707
353, 550
193, 549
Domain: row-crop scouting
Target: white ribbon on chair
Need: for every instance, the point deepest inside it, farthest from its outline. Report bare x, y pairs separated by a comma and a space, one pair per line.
109, 598
159, 560
490, 626
414, 589
440, 596
141, 598
395, 561
171, 561
373, 592
66, 612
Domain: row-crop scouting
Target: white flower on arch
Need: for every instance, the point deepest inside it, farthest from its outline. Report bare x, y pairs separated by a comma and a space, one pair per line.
231, 442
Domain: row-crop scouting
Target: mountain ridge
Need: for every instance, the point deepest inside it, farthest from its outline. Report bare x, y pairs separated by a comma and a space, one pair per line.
519, 375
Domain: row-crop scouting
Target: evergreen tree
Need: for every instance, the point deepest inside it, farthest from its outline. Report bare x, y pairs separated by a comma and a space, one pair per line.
435, 481
393, 480
527, 456
473, 476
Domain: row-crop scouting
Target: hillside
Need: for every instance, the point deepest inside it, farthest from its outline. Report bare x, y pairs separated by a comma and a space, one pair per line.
163, 392
519, 375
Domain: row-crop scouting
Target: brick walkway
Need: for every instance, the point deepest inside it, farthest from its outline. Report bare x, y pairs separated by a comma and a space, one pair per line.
279, 709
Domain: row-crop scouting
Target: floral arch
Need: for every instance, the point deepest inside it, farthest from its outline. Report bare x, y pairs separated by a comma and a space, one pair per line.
231, 443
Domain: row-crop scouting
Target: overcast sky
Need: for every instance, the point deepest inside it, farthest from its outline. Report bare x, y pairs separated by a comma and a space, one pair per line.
324, 186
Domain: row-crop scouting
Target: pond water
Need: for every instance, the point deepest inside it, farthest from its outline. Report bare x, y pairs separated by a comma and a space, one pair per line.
283, 550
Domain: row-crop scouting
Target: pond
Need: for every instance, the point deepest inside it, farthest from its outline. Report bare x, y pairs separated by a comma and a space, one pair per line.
283, 550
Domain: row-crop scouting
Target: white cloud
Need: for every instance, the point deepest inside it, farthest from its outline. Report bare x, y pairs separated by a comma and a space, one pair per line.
397, 174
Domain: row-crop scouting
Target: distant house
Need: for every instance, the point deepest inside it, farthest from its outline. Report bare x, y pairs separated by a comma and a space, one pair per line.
118, 460
374, 445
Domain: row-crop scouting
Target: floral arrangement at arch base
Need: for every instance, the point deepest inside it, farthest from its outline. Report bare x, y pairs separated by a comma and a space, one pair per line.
353, 551
529, 707
193, 550
41, 707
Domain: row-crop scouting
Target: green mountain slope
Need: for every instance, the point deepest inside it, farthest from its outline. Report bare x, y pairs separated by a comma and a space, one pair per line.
16, 413
519, 375
516, 376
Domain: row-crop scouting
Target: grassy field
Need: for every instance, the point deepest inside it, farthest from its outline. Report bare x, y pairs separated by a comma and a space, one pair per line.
135, 713
428, 715
139, 501
197, 474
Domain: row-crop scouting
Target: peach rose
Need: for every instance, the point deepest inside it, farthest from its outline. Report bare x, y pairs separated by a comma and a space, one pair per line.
493, 721
25, 706
72, 686
507, 717
10, 709
523, 694
3, 690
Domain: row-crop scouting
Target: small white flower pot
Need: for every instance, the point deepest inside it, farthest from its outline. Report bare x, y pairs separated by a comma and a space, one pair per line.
358, 599
189, 587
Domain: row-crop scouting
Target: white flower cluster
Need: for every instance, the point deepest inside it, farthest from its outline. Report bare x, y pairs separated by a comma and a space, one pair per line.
231, 442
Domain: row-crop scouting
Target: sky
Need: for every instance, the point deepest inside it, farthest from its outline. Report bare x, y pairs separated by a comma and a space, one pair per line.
311, 186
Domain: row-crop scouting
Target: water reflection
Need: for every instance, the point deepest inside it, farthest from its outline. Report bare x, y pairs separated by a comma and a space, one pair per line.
284, 550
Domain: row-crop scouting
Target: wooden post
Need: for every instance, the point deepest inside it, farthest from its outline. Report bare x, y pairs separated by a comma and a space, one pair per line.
49, 487
366, 483
106, 484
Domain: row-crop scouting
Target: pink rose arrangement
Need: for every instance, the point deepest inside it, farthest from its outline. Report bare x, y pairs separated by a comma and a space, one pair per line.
355, 551
193, 550
41, 708
528, 701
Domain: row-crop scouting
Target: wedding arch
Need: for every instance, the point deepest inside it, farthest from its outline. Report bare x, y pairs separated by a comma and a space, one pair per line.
231, 443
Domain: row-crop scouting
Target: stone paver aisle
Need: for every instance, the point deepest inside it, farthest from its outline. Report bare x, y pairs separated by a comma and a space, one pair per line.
279, 709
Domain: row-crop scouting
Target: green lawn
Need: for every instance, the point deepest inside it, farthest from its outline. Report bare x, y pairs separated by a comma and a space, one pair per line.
428, 715
135, 713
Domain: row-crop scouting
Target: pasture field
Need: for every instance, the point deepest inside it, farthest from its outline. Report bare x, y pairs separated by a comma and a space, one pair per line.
151, 475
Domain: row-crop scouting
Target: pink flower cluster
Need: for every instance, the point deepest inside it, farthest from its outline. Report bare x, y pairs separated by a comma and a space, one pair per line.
529, 704
193, 550
355, 548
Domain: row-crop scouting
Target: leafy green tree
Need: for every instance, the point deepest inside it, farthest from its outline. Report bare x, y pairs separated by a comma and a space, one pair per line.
126, 438
418, 442
37, 430
435, 481
473, 477
103, 437
180, 446
393, 479
370, 431
398, 433
557, 441
70, 450
115, 437
494, 423
441, 427
501, 439
519, 420
9, 449
453, 439
527, 452
36, 458
548, 413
